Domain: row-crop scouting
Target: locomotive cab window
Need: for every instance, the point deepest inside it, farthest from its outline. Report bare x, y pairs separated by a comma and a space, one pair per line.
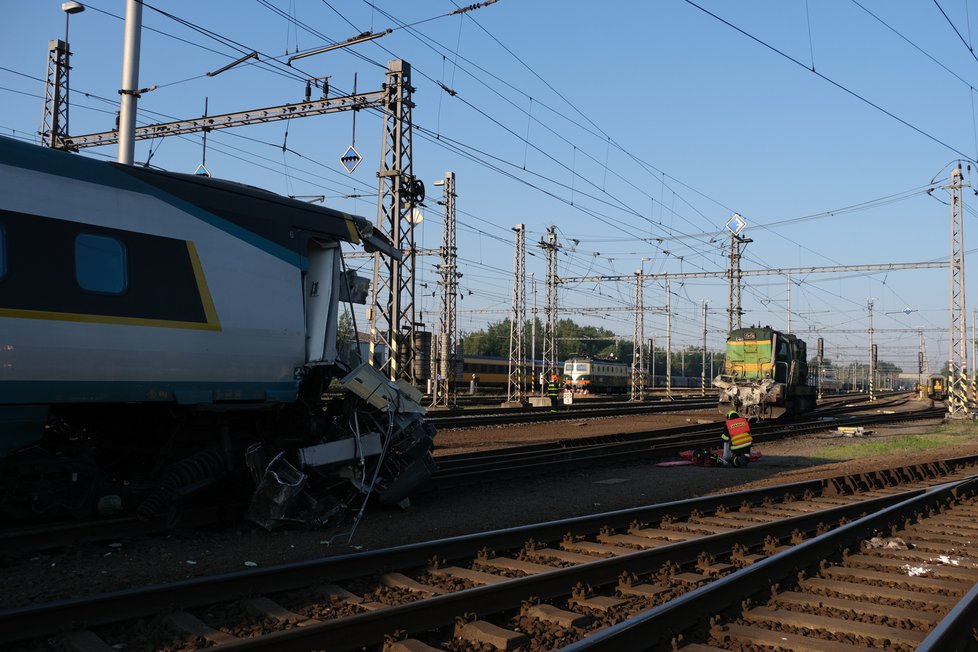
100, 263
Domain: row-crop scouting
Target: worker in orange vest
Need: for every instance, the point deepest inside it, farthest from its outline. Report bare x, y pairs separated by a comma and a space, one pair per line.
736, 440
553, 391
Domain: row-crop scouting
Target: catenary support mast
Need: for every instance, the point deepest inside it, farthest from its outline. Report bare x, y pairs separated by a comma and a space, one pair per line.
550, 310
734, 311
872, 353
517, 324
54, 121
445, 393
392, 321
129, 93
957, 403
703, 360
638, 340
668, 339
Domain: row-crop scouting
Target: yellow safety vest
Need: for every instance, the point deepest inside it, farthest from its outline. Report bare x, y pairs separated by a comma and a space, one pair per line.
738, 433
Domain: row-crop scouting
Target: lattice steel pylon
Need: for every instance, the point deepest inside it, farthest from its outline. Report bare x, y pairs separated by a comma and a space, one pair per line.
517, 324
550, 311
872, 352
734, 310
54, 120
638, 338
957, 402
703, 359
445, 392
921, 361
392, 317
668, 339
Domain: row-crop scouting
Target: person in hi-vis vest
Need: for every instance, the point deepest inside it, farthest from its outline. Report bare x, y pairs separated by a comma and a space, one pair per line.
736, 440
553, 391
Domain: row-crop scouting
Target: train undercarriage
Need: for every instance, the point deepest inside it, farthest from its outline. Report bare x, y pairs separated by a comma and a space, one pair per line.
311, 462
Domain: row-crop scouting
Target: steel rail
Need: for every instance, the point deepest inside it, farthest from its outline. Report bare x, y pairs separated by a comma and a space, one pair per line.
33, 621
956, 629
470, 468
27, 622
362, 630
54, 535
597, 451
507, 416
655, 628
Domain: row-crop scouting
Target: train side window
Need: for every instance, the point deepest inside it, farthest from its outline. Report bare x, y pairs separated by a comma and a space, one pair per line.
3, 252
100, 263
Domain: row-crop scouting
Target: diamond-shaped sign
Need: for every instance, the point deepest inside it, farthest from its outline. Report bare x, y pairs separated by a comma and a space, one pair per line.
351, 159
908, 310
736, 224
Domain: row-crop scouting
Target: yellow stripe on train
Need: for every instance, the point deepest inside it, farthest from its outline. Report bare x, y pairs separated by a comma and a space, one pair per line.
753, 366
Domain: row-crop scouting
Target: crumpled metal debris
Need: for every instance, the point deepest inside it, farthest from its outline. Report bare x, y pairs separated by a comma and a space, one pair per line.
748, 396
278, 490
379, 448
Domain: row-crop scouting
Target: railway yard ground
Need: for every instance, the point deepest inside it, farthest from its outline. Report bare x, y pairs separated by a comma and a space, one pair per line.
85, 569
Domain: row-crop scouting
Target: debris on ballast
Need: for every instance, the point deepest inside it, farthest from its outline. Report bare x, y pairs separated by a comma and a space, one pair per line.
377, 447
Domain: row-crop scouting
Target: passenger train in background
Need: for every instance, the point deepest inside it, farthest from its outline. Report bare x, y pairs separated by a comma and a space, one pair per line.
587, 375
163, 332
937, 387
765, 374
492, 372
580, 374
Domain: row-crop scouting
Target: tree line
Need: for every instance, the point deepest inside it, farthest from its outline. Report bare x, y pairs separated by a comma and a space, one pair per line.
573, 339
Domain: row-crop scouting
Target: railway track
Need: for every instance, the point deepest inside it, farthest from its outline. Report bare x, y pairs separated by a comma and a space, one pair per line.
490, 400
913, 588
595, 407
585, 409
464, 470
638, 447
695, 574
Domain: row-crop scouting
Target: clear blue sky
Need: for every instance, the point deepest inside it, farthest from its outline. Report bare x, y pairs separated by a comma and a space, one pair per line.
620, 123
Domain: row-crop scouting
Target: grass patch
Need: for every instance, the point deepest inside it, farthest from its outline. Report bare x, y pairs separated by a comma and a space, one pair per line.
945, 435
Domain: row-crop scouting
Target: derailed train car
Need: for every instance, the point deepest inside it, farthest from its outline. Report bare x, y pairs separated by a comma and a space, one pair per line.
165, 333
765, 374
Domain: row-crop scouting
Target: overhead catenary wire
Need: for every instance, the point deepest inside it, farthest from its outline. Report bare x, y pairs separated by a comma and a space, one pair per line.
706, 250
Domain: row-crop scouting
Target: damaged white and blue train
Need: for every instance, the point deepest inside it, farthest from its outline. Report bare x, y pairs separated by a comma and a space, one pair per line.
163, 334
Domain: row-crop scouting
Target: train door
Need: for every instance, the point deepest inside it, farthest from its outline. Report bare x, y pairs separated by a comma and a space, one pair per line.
782, 358
321, 293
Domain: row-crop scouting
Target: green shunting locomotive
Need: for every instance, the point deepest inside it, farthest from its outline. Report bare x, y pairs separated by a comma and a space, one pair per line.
765, 375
